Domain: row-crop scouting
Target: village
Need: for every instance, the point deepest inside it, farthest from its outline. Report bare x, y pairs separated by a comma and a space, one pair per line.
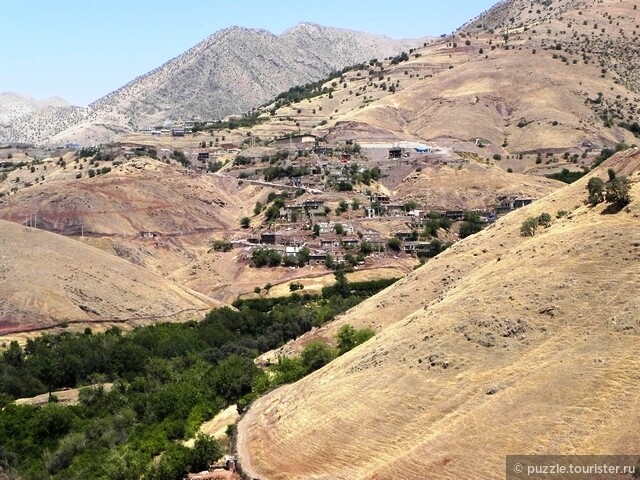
330, 202
326, 201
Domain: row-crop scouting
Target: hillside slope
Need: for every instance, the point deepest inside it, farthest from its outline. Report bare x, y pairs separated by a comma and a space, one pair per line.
141, 195
524, 78
230, 72
25, 119
503, 344
46, 278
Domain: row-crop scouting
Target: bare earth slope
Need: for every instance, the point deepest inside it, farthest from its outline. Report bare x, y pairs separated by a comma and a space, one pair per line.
473, 185
46, 278
142, 195
512, 345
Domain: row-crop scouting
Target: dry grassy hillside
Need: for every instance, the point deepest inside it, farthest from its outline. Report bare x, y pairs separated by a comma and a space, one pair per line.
46, 279
551, 82
470, 184
503, 344
523, 78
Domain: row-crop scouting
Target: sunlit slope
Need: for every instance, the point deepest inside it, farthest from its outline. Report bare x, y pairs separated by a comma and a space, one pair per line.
531, 349
47, 279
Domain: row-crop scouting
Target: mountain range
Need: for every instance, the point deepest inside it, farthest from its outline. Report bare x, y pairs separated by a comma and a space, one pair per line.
228, 73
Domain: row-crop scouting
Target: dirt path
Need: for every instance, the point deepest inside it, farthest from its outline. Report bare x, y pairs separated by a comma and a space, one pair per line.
242, 445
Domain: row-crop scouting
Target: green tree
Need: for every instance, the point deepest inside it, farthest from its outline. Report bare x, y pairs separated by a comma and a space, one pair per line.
394, 243
529, 227
596, 189
544, 220
272, 213
316, 355
303, 256
330, 262
410, 205
245, 222
618, 191
287, 370
206, 450
232, 378
471, 224
348, 338
124, 465
366, 248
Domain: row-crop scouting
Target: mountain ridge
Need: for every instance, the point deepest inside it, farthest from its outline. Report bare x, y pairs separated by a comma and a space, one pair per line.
229, 72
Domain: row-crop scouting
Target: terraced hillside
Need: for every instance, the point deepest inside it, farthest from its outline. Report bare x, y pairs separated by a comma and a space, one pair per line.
503, 344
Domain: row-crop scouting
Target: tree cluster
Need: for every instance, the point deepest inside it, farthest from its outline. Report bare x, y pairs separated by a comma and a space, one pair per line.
616, 191
168, 379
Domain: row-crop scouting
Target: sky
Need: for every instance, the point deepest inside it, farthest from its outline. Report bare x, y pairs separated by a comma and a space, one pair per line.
81, 50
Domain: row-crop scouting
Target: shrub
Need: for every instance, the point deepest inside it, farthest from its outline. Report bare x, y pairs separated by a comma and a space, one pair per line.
316, 355
245, 222
567, 176
262, 257
294, 286
221, 246
544, 220
348, 338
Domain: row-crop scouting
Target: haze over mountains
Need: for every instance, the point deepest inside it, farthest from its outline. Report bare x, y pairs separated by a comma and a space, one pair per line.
230, 72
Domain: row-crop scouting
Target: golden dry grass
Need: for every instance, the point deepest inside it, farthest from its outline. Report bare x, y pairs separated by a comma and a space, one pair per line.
502, 345
46, 279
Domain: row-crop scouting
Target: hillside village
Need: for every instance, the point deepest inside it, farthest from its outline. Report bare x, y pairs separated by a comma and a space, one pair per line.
449, 229
326, 205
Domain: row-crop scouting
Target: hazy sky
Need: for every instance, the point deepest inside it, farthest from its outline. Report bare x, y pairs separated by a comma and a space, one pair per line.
81, 50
